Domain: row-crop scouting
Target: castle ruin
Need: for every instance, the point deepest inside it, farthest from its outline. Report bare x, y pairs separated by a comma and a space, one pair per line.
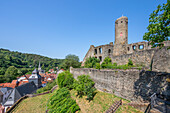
140, 53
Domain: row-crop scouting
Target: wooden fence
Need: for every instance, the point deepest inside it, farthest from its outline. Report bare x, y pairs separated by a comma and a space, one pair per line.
114, 107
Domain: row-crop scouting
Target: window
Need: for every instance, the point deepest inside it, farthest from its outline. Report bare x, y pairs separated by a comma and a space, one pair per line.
128, 48
10, 97
109, 51
121, 21
100, 50
33, 76
141, 46
95, 51
100, 58
134, 47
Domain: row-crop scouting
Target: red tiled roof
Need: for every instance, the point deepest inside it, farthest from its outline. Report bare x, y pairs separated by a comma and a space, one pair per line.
43, 82
14, 82
2, 84
62, 69
9, 85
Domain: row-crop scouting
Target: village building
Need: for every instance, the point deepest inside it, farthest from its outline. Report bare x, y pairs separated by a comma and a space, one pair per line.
4, 93
36, 78
19, 92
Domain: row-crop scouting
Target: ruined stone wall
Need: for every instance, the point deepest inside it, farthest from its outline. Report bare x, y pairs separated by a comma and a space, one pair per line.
100, 52
157, 59
130, 84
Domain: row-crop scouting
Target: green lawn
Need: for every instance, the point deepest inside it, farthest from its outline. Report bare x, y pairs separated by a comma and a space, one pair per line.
102, 101
33, 105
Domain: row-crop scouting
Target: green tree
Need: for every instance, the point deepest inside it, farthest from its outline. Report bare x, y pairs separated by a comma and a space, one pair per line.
159, 29
65, 79
107, 61
70, 61
11, 73
91, 62
85, 86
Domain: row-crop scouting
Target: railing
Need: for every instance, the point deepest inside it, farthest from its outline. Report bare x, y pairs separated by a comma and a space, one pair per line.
114, 107
148, 109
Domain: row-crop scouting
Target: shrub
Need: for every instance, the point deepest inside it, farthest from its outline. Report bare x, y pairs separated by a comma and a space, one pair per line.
106, 62
130, 63
61, 102
97, 65
65, 79
48, 87
91, 62
85, 86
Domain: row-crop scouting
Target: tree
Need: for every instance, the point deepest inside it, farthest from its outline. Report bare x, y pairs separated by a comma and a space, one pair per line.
91, 62
70, 61
65, 79
158, 29
106, 62
11, 73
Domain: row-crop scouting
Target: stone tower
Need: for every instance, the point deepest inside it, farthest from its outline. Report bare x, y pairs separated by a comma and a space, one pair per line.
121, 36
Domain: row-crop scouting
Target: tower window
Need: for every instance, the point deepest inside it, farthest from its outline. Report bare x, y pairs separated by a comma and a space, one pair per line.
128, 48
95, 51
100, 50
141, 47
100, 58
134, 47
109, 51
121, 21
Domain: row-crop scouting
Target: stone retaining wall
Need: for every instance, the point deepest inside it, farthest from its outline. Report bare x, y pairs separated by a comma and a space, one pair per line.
131, 84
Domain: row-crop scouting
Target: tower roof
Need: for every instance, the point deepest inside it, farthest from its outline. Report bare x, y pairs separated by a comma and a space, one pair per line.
122, 17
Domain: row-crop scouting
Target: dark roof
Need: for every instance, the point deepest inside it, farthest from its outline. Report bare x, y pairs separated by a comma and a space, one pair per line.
5, 89
27, 88
20, 91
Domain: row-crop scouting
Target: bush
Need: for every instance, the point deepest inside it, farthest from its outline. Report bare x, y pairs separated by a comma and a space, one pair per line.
130, 63
85, 86
97, 65
91, 62
107, 62
48, 87
65, 79
61, 102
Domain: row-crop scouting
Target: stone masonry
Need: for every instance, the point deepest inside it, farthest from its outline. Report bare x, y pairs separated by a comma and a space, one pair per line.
132, 84
140, 53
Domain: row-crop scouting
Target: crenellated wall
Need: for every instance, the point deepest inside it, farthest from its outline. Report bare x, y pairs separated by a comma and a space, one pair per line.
131, 84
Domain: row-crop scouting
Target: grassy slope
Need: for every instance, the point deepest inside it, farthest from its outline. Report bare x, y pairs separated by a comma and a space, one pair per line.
33, 105
102, 101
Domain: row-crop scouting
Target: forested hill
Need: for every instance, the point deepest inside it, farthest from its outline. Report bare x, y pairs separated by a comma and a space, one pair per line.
25, 62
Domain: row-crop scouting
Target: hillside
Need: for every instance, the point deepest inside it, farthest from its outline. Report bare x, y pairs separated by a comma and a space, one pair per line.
24, 62
102, 101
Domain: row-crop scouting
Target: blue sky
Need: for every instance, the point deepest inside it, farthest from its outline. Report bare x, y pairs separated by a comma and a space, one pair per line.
56, 28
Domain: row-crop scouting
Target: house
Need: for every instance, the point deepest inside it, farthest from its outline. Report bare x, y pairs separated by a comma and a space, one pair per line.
44, 83
60, 71
51, 70
4, 93
36, 78
24, 77
19, 92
